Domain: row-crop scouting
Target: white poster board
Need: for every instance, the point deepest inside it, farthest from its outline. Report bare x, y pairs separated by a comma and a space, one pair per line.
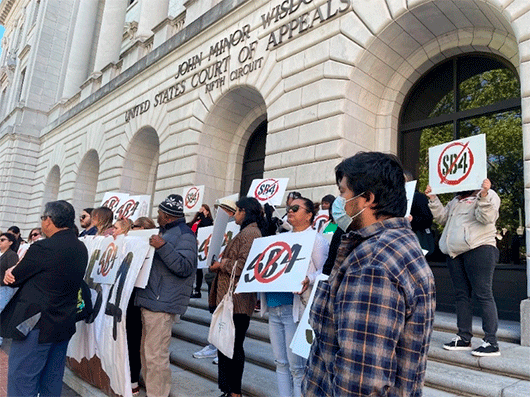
99, 346
277, 263
193, 197
218, 233
304, 335
458, 165
270, 190
321, 221
410, 187
204, 236
145, 270
105, 269
126, 206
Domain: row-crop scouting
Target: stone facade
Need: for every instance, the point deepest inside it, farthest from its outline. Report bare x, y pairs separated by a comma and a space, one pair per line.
162, 101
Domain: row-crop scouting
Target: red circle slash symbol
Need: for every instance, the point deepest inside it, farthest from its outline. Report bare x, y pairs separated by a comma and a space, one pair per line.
192, 197
107, 260
455, 163
270, 271
266, 189
112, 203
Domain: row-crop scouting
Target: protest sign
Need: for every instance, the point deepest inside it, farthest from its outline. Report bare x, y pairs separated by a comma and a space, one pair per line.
104, 272
143, 275
126, 206
277, 263
270, 190
458, 165
304, 335
410, 187
204, 236
193, 197
98, 350
218, 233
321, 221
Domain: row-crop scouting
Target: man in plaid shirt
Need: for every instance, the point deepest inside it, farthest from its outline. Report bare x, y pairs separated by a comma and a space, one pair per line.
373, 317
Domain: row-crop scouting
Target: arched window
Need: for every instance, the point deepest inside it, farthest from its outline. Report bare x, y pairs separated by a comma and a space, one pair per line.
464, 96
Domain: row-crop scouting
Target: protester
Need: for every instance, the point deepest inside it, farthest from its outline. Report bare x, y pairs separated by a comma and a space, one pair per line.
210, 351
15, 231
202, 218
421, 218
143, 222
327, 201
85, 221
373, 317
286, 309
8, 258
122, 226
468, 239
41, 316
133, 324
167, 292
284, 226
249, 216
34, 235
102, 218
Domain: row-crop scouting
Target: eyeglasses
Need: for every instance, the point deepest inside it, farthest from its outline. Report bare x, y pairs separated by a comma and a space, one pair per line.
34, 234
44, 217
296, 207
82, 217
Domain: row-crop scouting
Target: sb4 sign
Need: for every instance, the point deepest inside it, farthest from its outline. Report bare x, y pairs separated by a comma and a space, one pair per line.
458, 165
269, 190
277, 263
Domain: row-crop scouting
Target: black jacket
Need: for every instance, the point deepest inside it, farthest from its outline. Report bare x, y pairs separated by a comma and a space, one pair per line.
49, 277
7, 260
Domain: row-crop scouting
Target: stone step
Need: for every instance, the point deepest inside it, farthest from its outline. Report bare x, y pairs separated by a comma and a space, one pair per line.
509, 331
469, 382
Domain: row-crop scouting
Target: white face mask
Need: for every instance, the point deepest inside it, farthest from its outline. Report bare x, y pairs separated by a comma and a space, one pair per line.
340, 216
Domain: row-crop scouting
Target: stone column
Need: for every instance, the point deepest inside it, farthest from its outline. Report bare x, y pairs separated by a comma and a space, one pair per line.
80, 50
110, 34
152, 12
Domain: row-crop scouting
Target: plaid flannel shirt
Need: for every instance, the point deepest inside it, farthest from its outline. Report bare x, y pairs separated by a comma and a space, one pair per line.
373, 317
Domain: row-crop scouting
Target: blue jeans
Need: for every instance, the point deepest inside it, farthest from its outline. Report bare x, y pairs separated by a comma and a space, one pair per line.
6, 293
472, 275
36, 367
289, 366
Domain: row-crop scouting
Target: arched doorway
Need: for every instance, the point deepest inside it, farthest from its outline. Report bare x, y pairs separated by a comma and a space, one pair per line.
463, 96
51, 188
254, 159
86, 182
141, 163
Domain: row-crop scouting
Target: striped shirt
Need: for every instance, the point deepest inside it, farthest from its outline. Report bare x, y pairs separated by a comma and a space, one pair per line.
373, 317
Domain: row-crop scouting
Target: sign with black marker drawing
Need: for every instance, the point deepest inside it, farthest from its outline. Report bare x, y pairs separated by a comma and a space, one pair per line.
193, 197
204, 237
277, 263
321, 221
458, 165
269, 190
126, 206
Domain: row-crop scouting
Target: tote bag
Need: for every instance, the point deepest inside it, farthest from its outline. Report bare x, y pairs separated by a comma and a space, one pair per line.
222, 332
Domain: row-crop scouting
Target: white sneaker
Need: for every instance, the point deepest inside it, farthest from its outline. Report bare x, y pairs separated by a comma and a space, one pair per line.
209, 351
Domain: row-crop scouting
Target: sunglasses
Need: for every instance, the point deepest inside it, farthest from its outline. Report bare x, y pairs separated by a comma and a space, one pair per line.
44, 217
34, 234
135, 226
82, 217
296, 207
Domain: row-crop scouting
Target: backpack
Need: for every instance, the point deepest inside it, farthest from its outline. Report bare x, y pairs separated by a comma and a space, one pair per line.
84, 302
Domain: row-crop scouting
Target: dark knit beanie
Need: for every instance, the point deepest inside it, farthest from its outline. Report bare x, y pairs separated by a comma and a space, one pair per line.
173, 205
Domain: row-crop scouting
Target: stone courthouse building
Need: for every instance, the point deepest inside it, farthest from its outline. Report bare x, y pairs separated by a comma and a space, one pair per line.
150, 96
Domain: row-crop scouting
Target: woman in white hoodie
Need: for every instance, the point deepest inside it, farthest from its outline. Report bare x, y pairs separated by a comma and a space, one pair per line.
469, 241
285, 308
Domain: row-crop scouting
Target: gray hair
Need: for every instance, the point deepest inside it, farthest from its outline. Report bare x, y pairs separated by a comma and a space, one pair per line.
61, 213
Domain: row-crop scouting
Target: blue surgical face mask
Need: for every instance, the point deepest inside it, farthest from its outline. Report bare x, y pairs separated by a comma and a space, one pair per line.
340, 216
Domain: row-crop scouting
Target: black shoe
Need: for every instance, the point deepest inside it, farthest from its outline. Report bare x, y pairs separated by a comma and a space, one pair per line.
487, 350
458, 344
196, 295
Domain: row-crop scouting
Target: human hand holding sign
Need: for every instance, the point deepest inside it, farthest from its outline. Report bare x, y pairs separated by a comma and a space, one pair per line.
428, 191
305, 285
486, 185
156, 241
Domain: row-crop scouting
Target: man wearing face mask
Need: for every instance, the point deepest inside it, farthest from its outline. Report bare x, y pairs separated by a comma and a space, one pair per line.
373, 317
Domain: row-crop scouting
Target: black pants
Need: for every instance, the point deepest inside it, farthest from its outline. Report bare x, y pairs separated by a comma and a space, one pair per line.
134, 336
231, 370
198, 280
